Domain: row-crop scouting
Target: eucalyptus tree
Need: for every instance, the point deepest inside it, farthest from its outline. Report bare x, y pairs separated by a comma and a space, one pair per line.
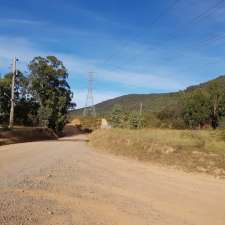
49, 86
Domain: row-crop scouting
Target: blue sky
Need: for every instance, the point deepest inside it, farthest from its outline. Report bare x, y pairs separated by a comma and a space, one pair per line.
132, 46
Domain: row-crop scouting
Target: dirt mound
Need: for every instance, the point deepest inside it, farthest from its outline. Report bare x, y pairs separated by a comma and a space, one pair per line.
75, 122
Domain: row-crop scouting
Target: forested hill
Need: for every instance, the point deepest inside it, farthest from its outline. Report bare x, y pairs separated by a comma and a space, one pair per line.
150, 102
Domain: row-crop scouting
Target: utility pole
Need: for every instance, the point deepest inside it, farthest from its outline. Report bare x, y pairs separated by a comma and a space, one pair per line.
141, 109
140, 125
89, 105
14, 72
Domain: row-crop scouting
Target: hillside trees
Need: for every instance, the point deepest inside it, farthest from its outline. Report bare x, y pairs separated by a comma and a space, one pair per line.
205, 106
196, 109
135, 120
118, 117
123, 119
216, 101
172, 116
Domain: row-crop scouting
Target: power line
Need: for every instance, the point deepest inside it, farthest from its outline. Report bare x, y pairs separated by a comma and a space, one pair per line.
215, 38
208, 11
197, 18
155, 21
201, 16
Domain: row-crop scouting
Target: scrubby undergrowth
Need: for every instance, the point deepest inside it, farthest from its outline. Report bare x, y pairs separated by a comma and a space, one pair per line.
196, 150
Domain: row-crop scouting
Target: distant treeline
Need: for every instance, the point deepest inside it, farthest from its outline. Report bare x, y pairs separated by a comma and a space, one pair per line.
200, 107
42, 97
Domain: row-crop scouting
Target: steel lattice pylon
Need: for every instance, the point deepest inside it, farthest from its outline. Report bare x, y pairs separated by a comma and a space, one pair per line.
89, 108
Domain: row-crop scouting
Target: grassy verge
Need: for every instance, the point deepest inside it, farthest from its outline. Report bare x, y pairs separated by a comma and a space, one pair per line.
199, 151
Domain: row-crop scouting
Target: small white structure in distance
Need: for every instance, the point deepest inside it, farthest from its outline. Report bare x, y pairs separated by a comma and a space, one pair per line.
105, 124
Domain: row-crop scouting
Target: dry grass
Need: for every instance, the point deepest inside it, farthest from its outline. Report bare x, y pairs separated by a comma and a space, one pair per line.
91, 123
201, 151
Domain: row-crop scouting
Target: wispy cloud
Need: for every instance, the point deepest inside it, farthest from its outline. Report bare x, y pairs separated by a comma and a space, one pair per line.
158, 80
20, 21
128, 78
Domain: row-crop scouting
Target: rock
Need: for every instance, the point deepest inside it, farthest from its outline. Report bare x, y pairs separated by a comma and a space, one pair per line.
50, 213
202, 169
104, 124
169, 150
196, 153
213, 154
218, 171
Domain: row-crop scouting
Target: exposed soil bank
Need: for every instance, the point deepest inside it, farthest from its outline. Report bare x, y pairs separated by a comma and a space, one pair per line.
26, 134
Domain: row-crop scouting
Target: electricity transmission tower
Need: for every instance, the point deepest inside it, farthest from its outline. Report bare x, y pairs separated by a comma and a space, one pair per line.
14, 73
89, 105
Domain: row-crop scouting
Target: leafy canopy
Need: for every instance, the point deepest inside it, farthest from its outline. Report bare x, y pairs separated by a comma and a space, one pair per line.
49, 86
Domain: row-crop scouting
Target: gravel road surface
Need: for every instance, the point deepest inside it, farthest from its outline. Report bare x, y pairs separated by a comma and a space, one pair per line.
65, 182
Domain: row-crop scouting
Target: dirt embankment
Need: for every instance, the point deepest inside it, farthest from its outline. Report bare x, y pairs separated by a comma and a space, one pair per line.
26, 134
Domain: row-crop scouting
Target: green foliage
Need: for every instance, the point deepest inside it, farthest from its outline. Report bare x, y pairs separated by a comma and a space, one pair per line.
151, 103
21, 83
152, 120
135, 121
171, 117
205, 106
118, 117
26, 112
122, 119
197, 106
43, 98
216, 102
197, 109
50, 88
5, 94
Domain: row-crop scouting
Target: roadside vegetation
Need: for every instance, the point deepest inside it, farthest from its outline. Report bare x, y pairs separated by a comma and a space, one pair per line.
43, 95
191, 150
189, 134
197, 107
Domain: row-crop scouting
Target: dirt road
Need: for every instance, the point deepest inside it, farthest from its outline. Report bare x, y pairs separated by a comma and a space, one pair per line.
66, 183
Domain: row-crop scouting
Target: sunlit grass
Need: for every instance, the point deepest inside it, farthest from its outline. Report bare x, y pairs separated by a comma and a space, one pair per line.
189, 149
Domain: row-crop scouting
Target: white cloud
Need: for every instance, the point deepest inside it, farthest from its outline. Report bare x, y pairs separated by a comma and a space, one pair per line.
162, 79
25, 50
135, 79
20, 21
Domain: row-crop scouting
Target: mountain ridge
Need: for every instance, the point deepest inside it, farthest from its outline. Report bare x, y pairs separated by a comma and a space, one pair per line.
153, 102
